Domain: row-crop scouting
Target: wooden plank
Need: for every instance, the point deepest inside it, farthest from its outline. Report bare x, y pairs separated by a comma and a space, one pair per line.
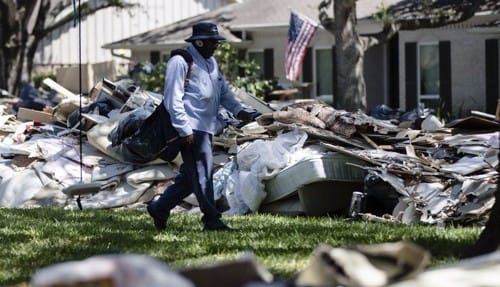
61, 90
34, 115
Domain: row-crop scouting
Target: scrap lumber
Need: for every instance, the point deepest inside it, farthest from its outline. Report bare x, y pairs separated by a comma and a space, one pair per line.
61, 90
252, 101
35, 115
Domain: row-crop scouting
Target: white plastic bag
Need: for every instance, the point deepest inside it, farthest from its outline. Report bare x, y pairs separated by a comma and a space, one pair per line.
233, 195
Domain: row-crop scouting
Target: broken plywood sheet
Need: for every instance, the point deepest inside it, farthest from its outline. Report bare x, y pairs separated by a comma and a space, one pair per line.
473, 123
252, 101
466, 165
35, 115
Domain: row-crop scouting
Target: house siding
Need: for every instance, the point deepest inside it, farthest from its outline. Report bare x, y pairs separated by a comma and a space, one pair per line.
108, 25
467, 65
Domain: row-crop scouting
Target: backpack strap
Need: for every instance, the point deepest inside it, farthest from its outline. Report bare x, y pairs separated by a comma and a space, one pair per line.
189, 60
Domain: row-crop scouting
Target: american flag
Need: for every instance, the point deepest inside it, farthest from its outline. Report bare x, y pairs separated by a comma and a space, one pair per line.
300, 33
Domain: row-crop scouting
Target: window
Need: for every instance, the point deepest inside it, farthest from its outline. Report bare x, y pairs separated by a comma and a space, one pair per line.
258, 57
324, 72
428, 73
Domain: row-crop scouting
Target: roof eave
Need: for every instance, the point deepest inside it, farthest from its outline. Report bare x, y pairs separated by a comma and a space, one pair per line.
162, 46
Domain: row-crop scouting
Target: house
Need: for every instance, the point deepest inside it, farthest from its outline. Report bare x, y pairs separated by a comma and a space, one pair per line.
260, 27
398, 73
454, 68
60, 49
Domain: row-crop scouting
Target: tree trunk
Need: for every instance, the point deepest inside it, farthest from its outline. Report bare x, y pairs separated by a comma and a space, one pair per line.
349, 54
22, 26
7, 26
3, 68
18, 55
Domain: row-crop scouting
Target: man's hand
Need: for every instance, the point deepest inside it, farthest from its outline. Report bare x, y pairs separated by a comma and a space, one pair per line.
187, 140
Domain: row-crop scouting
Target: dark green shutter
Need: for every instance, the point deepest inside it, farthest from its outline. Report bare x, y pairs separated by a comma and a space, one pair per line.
445, 76
394, 72
307, 66
154, 57
492, 90
268, 64
334, 76
411, 67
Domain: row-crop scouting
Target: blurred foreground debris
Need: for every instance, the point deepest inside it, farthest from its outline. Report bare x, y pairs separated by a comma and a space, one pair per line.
385, 264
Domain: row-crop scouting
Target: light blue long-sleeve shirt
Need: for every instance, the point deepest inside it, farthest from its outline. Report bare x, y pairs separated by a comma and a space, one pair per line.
195, 107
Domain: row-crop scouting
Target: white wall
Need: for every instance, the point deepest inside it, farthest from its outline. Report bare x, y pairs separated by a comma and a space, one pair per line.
467, 65
109, 25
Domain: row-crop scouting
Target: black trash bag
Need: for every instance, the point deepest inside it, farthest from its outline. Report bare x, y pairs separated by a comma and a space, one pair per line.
31, 98
381, 198
416, 116
383, 112
142, 138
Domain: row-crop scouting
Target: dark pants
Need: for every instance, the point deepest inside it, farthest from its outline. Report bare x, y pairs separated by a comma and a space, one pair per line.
195, 176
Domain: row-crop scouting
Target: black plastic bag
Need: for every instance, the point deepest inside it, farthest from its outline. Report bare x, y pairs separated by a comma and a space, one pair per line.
143, 139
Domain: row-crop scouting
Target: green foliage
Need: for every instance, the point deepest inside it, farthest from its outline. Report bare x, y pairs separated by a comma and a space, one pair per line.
383, 16
150, 77
240, 72
35, 238
442, 113
39, 77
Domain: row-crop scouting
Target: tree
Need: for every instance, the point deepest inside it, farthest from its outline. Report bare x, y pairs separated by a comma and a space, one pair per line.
240, 72
24, 23
350, 93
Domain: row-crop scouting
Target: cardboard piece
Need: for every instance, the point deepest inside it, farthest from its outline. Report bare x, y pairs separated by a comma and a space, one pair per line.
36, 116
229, 274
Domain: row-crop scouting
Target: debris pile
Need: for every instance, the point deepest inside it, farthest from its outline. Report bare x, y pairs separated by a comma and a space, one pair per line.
306, 157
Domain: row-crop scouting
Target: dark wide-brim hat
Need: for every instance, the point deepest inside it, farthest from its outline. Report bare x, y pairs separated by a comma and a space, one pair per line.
205, 31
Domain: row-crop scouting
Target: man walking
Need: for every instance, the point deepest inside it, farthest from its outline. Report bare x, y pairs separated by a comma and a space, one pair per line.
192, 96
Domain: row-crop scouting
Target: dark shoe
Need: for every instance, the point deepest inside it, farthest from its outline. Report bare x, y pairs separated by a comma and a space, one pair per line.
160, 223
214, 224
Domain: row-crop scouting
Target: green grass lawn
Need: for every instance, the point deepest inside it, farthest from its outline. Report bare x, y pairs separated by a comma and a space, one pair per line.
34, 238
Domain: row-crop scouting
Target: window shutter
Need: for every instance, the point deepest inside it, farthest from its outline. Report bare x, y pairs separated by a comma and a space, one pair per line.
492, 90
394, 72
307, 66
411, 75
445, 76
154, 57
334, 74
268, 64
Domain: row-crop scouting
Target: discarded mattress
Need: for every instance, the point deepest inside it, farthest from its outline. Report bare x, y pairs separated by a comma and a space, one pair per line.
317, 168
